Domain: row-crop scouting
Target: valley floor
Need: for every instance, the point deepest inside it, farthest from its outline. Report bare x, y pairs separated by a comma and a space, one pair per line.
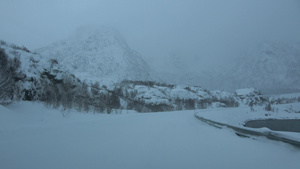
32, 136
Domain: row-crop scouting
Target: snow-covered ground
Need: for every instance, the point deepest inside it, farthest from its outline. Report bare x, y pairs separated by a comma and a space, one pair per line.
32, 136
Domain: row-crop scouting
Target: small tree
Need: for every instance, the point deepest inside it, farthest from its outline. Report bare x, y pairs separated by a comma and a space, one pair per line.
178, 103
268, 107
251, 106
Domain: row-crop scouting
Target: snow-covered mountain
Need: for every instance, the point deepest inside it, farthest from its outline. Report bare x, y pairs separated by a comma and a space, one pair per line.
273, 67
74, 72
98, 55
46, 79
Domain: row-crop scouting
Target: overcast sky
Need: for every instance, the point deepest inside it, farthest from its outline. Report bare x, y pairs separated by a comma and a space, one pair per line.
204, 31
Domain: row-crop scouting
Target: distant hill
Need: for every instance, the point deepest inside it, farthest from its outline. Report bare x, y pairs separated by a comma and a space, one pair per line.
272, 68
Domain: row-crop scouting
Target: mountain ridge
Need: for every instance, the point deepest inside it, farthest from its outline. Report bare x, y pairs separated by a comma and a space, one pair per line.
270, 67
98, 55
273, 67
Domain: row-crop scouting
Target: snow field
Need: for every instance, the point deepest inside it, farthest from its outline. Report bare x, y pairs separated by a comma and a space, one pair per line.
32, 136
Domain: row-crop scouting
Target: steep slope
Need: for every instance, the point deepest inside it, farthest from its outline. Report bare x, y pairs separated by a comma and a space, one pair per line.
98, 55
31, 64
36, 77
271, 68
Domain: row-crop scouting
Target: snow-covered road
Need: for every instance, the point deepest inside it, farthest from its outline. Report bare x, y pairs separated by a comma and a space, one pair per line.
32, 136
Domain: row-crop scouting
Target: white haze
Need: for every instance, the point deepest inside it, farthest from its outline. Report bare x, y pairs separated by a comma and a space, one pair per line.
204, 33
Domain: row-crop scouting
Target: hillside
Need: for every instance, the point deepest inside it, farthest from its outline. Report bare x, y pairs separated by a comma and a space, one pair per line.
273, 67
98, 55
269, 67
39, 78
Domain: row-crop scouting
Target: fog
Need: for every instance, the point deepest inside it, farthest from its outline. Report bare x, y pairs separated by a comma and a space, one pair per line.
204, 33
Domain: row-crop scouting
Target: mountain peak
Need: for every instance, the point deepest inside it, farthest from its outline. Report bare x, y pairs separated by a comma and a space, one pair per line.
98, 55
104, 36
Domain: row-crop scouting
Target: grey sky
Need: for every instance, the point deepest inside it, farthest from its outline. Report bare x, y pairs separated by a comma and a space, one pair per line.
207, 31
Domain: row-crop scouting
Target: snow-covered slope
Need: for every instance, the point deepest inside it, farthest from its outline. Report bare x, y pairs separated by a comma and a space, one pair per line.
98, 55
274, 67
270, 67
32, 64
250, 96
47, 79
163, 97
35, 73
